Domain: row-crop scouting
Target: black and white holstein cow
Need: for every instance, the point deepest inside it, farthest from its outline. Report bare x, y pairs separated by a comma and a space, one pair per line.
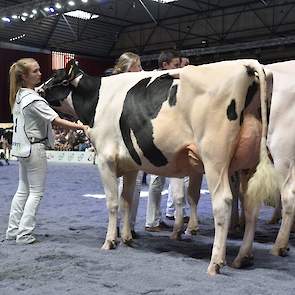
281, 144
173, 123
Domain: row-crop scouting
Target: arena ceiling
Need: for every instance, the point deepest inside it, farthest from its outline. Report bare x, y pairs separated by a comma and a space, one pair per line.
203, 29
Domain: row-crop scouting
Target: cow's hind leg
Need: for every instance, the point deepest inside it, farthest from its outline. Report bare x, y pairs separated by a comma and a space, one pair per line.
193, 199
235, 187
129, 180
110, 184
277, 213
288, 204
219, 187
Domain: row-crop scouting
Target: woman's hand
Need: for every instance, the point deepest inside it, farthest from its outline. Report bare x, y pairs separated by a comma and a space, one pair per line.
85, 128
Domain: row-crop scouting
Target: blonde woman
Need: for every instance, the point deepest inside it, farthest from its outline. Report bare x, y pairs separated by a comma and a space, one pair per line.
127, 62
32, 133
130, 62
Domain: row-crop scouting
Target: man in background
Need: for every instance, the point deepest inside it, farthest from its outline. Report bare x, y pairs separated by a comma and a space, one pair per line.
168, 60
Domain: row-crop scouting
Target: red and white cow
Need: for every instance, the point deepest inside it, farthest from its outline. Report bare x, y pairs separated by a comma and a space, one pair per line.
173, 123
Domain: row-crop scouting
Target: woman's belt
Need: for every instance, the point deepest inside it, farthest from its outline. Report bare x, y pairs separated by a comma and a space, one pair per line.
37, 140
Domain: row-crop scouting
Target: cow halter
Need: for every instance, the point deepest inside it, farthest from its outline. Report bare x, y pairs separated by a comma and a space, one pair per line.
63, 83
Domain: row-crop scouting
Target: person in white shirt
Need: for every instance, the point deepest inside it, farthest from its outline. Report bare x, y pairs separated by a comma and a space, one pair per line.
168, 59
130, 62
32, 133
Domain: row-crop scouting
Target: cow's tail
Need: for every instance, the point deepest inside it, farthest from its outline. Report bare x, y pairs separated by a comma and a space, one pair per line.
264, 184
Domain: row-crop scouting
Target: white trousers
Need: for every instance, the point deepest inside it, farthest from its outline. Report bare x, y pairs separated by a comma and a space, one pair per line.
153, 211
32, 176
170, 208
136, 196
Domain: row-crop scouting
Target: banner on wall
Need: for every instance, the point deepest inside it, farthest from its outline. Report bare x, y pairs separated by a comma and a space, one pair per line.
68, 157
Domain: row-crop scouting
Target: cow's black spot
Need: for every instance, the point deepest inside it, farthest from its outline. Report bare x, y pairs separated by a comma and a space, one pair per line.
85, 97
231, 110
250, 70
143, 102
250, 93
172, 96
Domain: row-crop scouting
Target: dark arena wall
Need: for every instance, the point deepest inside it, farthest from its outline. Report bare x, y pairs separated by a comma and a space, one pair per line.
9, 56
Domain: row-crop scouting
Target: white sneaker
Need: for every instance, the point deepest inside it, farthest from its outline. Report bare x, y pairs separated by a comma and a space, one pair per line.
26, 239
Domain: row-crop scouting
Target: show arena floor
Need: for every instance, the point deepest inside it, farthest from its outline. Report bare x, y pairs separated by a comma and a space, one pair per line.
71, 227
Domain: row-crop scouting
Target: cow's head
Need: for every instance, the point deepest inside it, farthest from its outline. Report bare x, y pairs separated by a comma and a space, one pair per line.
57, 89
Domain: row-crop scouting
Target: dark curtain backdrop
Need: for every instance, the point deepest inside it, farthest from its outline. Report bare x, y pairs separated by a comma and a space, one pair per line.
9, 56
93, 67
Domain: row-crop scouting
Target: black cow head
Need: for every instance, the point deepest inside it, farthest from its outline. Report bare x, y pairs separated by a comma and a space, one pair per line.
58, 88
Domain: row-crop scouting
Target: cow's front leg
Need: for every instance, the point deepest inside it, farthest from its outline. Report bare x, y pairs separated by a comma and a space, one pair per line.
194, 188
129, 180
110, 184
177, 190
218, 183
280, 247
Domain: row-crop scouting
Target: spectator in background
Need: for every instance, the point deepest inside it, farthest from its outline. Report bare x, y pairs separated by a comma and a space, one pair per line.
130, 62
6, 141
168, 60
184, 62
127, 62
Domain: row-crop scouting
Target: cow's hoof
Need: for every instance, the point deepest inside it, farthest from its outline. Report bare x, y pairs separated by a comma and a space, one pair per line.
280, 251
127, 242
214, 269
109, 245
176, 236
134, 235
245, 261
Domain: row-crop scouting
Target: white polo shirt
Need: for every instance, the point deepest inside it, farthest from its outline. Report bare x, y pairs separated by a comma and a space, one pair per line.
32, 118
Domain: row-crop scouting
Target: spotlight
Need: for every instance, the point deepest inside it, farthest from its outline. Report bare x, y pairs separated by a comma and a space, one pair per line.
84, 1
23, 18
51, 9
34, 11
71, 3
25, 14
57, 6
14, 16
46, 9
6, 19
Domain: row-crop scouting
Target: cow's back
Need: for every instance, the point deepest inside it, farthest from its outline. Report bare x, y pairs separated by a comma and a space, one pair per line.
208, 104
